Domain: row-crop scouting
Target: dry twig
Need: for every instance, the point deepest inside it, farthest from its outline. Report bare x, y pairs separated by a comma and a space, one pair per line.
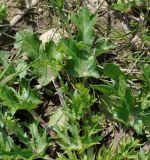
18, 17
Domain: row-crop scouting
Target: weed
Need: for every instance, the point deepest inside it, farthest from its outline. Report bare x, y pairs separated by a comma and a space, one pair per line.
91, 92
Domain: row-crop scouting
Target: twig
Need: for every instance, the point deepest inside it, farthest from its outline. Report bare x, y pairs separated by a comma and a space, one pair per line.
118, 136
135, 63
43, 123
124, 23
18, 17
61, 97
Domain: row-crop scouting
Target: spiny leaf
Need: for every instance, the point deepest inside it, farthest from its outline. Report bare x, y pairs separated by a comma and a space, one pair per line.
10, 124
39, 141
69, 135
85, 22
81, 101
80, 63
6, 142
58, 118
16, 154
26, 99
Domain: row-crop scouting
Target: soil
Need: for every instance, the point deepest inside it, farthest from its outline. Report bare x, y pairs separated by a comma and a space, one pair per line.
39, 19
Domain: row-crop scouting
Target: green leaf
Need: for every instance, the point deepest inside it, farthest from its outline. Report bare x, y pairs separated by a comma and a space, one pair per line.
4, 55
44, 72
147, 39
80, 63
27, 43
146, 118
21, 69
73, 141
123, 6
6, 142
28, 97
137, 125
146, 75
49, 63
82, 68
126, 148
69, 137
3, 12
103, 47
81, 101
16, 154
47, 60
112, 71
123, 108
106, 89
80, 56
58, 118
121, 91
25, 99
39, 141
145, 101
143, 155
85, 22
57, 3
70, 155
10, 124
